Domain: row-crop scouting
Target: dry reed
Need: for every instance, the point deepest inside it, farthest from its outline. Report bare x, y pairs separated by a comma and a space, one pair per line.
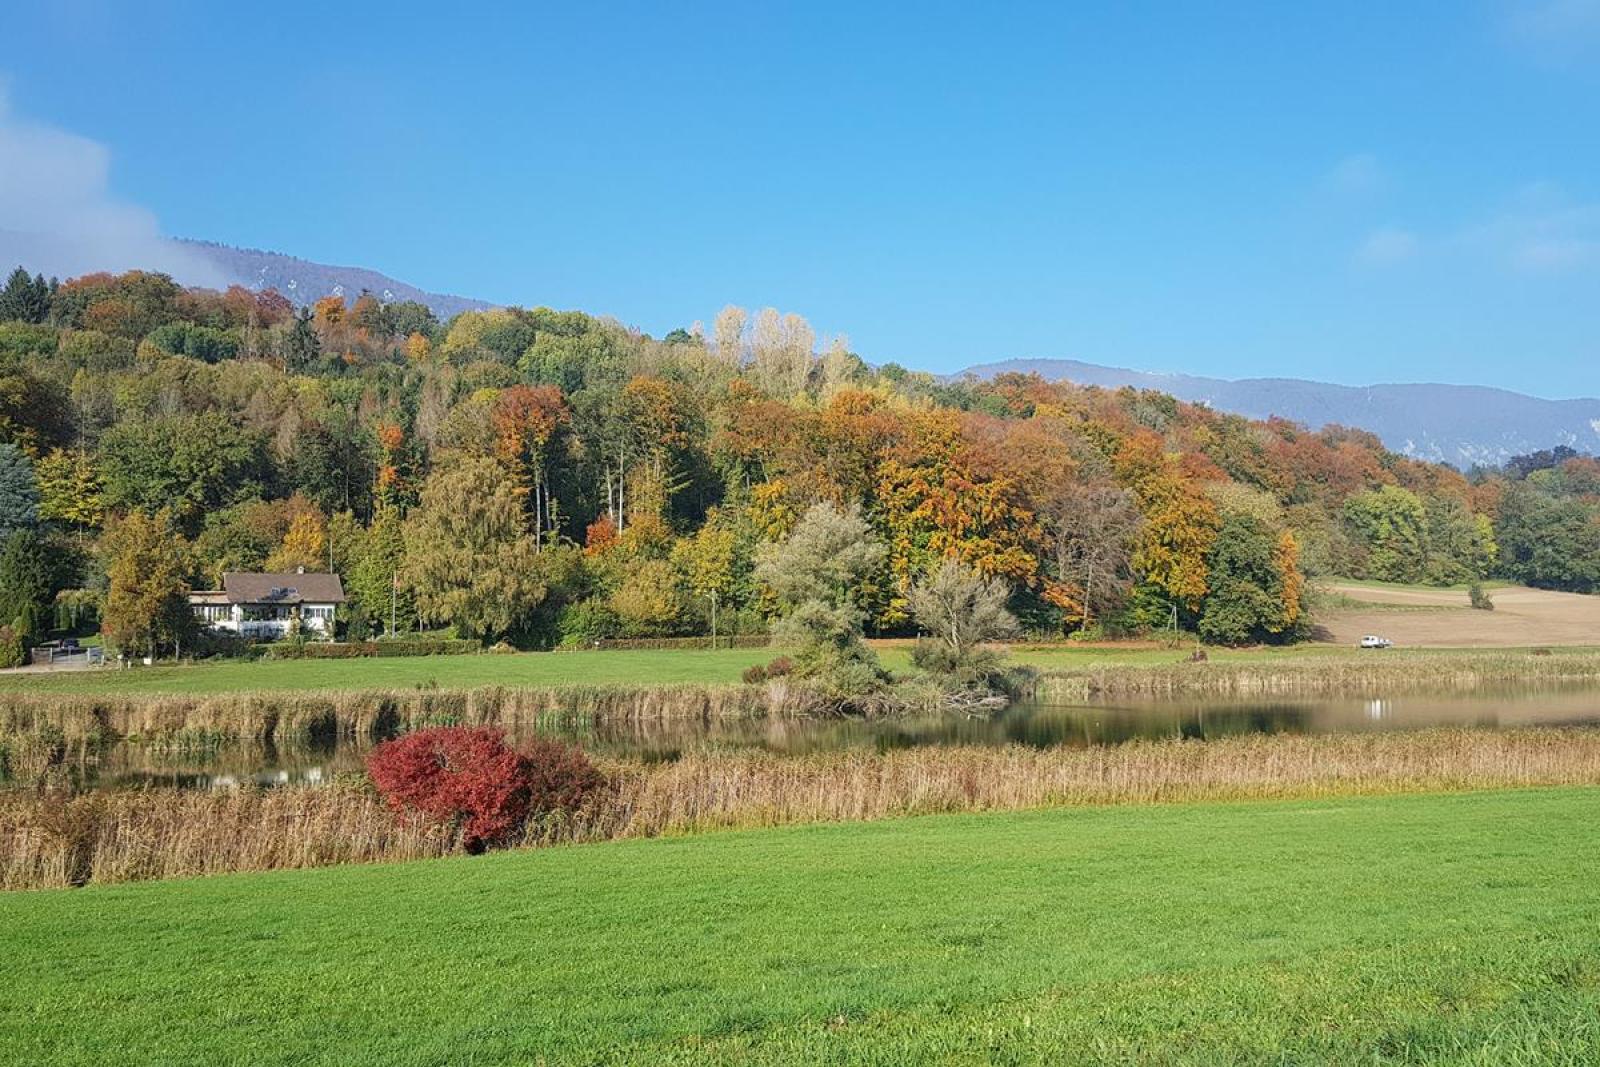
291, 715
50, 841
1377, 674
286, 716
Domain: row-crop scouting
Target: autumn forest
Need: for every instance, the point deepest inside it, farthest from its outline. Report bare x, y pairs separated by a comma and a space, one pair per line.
547, 478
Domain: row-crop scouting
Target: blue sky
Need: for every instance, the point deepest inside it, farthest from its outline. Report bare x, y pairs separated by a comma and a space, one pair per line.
1343, 191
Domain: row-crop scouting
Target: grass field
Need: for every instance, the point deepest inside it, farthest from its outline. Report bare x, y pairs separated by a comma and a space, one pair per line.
631, 667
1416, 616
1442, 929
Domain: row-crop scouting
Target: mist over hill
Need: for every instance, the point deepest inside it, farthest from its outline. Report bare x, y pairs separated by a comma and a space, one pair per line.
1457, 424
212, 265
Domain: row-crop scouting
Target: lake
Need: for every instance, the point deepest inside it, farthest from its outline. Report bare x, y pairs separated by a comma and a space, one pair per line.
127, 765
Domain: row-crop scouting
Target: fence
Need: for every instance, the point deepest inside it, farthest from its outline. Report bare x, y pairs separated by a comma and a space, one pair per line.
56, 655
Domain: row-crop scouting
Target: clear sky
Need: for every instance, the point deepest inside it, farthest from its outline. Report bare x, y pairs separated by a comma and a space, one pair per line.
1350, 192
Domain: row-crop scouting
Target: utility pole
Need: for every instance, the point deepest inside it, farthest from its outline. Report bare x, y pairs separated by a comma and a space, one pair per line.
394, 596
713, 618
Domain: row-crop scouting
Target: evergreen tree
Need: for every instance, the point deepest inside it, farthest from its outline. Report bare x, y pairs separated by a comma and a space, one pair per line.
19, 491
25, 299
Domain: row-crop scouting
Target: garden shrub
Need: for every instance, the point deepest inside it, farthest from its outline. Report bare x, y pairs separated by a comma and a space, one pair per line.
472, 779
585, 623
778, 668
13, 650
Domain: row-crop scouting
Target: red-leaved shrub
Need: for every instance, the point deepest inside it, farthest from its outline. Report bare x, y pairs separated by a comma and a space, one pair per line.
470, 777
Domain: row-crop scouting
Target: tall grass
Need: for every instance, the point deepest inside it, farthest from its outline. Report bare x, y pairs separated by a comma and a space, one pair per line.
286, 716
1376, 674
50, 841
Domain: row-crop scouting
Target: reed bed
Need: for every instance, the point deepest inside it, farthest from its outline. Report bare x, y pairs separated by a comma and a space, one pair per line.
289, 716
286, 716
1374, 674
50, 841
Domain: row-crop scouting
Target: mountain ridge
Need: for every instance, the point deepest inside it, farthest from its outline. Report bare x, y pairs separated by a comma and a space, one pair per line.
305, 281
1458, 424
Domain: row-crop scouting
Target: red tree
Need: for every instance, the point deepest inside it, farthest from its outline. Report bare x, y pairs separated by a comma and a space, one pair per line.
470, 777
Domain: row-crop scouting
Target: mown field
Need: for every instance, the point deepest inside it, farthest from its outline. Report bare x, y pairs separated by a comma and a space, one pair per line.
1416, 616
1460, 928
623, 667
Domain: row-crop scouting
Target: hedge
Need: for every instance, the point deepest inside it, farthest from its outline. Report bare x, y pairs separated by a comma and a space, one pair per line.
637, 643
360, 649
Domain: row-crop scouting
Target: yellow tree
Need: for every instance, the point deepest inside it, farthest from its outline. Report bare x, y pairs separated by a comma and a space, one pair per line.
69, 489
146, 608
1180, 521
305, 543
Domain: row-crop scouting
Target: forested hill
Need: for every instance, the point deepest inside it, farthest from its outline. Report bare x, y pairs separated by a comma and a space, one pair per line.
544, 476
1459, 424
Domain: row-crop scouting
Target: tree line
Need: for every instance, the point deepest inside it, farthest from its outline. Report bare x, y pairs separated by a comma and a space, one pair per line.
545, 477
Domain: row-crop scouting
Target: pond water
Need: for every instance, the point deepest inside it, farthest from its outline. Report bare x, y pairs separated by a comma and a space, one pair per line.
1040, 725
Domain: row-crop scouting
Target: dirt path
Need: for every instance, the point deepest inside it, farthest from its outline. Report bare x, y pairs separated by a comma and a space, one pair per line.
1521, 617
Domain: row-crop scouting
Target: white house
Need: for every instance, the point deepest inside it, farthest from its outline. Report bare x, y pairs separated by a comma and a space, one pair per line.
266, 606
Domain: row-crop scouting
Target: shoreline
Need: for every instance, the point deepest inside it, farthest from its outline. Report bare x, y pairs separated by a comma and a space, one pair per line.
287, 714
49, 840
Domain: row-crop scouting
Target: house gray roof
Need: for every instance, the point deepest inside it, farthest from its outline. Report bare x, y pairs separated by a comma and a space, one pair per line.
289, 588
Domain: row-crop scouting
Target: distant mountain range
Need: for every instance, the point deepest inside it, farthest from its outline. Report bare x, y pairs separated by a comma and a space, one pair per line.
1457, 424
306, 282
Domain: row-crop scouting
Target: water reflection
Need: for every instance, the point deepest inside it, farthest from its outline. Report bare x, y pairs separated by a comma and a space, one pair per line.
1109, 723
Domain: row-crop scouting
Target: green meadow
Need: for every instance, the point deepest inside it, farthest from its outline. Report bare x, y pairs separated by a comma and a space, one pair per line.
621, 667
1437, 929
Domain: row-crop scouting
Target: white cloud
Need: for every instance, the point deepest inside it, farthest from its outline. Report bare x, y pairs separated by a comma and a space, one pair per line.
1358, 174
1389, 245
59, 216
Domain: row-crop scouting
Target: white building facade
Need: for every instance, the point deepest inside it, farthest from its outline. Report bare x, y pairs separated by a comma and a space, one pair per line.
268, 607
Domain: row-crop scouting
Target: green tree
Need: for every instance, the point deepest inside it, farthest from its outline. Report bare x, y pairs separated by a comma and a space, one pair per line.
28, 584
1549, 543
189, 464
1392, 524
1461, 545
25, 299
146, 605
816, 574
302, 348
468, 554
375, 581
1255, 588
960, 610
19, 491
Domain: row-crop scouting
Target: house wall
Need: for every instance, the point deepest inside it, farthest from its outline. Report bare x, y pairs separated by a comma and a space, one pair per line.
268, 623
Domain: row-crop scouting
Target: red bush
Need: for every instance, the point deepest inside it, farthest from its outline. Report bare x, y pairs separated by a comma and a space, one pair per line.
470, 776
